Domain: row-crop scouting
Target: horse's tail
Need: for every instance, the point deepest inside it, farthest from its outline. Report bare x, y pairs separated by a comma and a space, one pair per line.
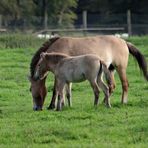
140, 59
107, 74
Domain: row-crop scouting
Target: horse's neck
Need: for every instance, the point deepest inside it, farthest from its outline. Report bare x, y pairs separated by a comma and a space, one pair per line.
53, 62
52, 67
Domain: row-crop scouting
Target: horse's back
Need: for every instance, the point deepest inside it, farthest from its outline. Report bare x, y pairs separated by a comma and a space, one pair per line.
109, 48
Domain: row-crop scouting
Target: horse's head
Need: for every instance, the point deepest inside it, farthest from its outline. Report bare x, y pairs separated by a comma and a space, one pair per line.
41, 70
38, 88
38, 91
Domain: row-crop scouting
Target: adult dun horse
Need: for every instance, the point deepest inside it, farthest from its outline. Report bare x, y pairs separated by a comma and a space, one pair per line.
112, 50
69, 69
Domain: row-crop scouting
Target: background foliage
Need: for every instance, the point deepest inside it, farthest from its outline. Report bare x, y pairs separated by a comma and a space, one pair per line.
64, 13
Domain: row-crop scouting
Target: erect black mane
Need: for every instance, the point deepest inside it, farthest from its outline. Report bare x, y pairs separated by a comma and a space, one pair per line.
36, 56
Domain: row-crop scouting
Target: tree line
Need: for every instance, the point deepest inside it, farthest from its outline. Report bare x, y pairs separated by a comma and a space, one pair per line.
58, 12
62, 13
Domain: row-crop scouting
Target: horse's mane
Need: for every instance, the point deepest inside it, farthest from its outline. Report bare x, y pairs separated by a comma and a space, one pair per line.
36, 56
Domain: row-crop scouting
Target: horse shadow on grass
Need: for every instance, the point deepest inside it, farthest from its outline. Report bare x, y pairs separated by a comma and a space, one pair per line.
138, 103
141, 103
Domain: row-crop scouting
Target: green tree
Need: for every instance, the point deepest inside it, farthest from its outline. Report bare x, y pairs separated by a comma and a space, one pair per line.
16, 9
64, 14
56, 12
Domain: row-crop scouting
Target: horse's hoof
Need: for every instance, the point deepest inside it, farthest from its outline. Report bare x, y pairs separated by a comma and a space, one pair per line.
37, 108
124, 102
51, 107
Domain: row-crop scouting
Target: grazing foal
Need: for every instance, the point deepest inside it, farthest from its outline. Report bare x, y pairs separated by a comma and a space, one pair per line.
69, 69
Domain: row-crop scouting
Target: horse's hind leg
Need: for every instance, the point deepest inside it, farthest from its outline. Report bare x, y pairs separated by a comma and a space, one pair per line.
124, 81
68, 93
112, 71
105, 89
96, 91
112, 88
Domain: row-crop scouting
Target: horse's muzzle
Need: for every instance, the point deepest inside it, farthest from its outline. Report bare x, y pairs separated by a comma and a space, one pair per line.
37, 108
36, 78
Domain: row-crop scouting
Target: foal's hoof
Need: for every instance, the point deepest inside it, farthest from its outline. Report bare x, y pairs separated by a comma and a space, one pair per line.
51, 106
104, 101
108, 106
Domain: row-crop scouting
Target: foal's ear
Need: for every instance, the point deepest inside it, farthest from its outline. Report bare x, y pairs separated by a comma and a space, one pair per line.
42, 55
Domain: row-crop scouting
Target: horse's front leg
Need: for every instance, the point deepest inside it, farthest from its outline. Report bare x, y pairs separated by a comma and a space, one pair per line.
52, 103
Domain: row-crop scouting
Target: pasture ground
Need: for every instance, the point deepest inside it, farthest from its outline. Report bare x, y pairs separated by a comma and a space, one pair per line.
80, 126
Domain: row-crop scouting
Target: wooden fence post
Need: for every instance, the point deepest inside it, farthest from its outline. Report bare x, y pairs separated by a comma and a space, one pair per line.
0, 21
85, 21
129, 24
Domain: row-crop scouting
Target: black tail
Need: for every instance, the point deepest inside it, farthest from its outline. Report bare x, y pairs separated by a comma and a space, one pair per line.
140, 59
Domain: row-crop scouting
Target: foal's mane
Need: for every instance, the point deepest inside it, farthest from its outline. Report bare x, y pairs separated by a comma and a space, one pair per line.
56, 57
36, 56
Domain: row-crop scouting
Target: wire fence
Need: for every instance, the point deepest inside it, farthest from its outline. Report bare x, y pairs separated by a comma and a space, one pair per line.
96, 23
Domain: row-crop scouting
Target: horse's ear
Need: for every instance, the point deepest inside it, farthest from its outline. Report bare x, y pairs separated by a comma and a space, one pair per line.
42, 55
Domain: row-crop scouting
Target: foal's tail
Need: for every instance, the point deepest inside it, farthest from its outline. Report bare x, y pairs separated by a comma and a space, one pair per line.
107, 75
140, 59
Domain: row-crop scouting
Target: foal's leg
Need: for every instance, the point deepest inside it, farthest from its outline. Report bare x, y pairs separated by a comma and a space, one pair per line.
105, 89
60, 89
124, 81
52, 103
68, 93
96, 91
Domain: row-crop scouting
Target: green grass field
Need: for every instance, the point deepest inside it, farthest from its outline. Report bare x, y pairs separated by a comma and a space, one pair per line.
122, 126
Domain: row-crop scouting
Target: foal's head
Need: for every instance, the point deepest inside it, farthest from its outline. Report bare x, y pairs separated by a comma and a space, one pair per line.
47, 62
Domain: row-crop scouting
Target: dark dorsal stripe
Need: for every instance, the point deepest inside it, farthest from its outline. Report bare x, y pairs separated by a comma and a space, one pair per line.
36, 56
